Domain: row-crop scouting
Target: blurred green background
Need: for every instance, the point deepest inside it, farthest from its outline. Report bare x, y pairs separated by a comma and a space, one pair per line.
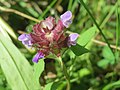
97, 70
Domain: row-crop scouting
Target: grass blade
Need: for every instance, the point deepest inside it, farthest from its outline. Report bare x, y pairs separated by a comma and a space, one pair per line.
81, 1
16, 61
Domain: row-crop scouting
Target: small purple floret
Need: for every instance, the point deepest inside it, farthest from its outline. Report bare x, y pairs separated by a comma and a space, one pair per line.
26, 39
66, 18
38, 56
72, 39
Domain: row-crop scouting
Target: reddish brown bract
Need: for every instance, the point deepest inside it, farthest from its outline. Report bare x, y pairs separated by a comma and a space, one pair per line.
48, 36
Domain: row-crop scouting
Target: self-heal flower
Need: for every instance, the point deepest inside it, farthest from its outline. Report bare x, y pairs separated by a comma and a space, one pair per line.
72, 39
49, 36
26, 39
38, 56
66, 18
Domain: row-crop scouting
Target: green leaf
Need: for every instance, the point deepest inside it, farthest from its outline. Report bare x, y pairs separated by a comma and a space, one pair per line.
78, 50
83, 72
107, 54
4, 32
2, 88
7, 28
17, 70
54, 85
48, 86
103, 63
112, 86
108, 58
86, 36
38, 69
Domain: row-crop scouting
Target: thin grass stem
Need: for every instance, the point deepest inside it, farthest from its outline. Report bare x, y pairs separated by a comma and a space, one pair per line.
81, 1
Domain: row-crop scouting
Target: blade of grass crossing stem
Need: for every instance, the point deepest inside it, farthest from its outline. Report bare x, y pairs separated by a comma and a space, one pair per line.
81, 1
22, 65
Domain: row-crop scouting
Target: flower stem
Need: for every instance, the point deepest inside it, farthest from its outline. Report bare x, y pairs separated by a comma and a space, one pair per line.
19, 13
63, 67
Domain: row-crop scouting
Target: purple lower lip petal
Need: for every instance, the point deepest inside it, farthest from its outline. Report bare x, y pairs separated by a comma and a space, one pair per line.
38, 56
72, 39
66, 16
22, 37
26, 39
73, 36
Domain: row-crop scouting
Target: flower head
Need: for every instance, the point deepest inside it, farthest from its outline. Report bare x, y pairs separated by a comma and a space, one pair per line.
26, 39
72, 39
48, 36
38, 56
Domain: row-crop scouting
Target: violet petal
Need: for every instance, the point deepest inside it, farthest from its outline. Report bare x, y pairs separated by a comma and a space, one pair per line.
66, 18
22, 37
73, 36
26, 39
38, 56
72, 39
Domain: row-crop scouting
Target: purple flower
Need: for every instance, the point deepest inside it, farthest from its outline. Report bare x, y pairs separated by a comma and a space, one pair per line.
49, 36
66, 18
26, 39
38, 56
72, 39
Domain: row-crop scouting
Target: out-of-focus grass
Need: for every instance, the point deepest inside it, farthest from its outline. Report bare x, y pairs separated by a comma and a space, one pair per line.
88, 71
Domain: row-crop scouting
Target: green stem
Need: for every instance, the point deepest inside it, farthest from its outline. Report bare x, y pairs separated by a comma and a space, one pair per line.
19, 13
70, 4
108, 16
48, 9
63, 67
96, 24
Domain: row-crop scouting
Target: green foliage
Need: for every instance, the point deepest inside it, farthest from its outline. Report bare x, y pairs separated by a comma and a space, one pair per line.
86, 36
82, 41
12, 60
109, 58
111, 86
84, 72
78, 50
48, 86
38, 69
90, 64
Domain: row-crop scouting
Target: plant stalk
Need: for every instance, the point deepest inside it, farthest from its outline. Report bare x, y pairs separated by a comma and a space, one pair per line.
81, 1
63, 67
